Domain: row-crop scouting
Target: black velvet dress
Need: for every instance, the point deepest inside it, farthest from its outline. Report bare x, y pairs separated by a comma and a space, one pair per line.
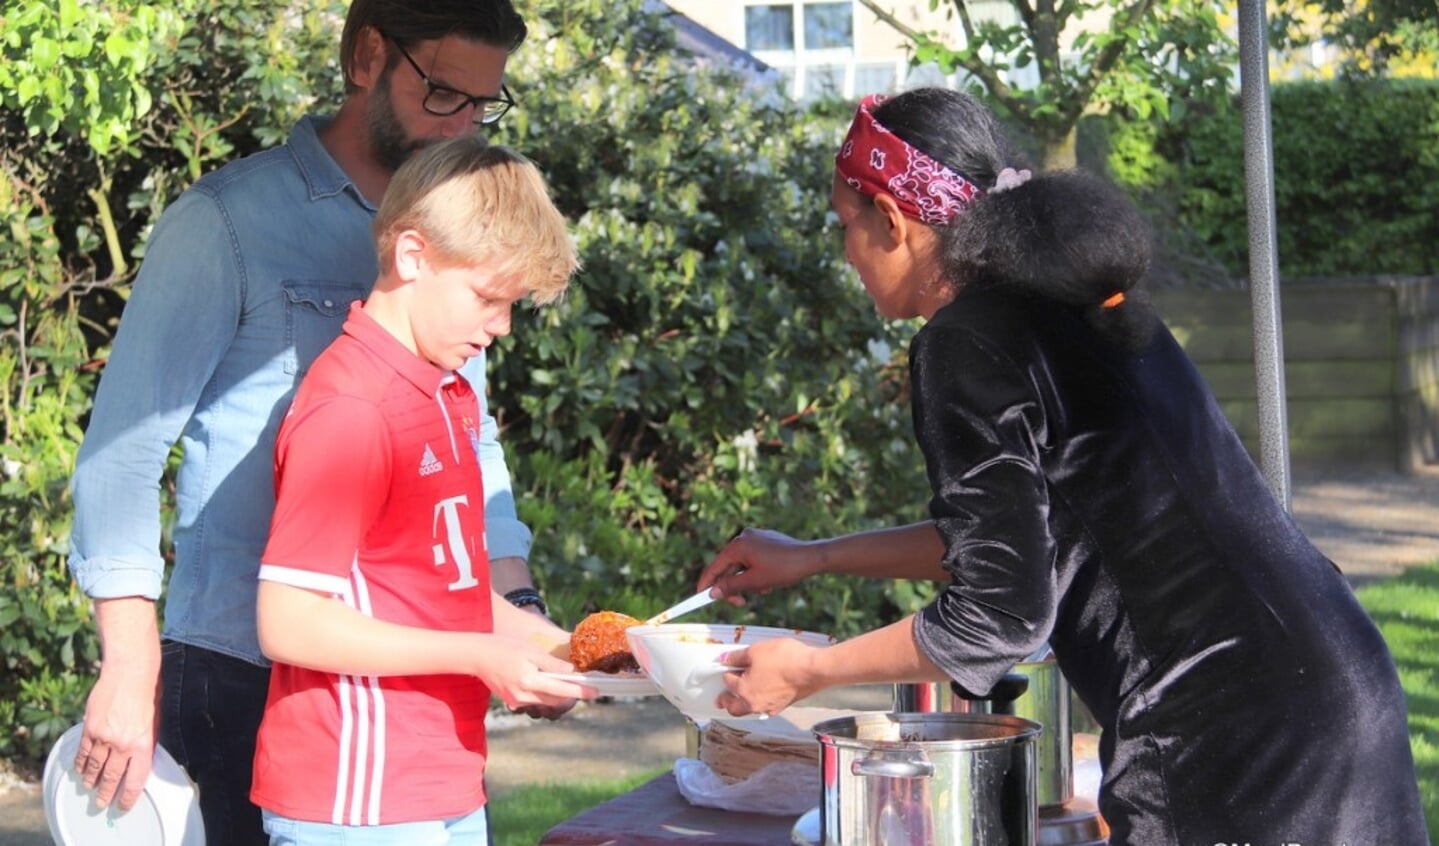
1099, 500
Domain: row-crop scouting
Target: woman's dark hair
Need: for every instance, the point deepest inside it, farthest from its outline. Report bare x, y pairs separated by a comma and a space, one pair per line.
1067, 236
493, 22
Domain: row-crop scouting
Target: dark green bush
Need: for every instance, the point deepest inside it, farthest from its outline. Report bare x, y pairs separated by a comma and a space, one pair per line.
715, 366
107, 111
1356, 174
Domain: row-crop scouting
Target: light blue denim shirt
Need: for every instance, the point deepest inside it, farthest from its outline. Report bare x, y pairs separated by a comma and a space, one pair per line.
247, 277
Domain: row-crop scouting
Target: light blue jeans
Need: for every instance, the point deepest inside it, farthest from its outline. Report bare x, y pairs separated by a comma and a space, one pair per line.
469, 830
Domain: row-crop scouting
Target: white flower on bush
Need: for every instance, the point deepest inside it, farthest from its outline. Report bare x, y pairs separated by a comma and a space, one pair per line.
746, 448
11, 467
879, 350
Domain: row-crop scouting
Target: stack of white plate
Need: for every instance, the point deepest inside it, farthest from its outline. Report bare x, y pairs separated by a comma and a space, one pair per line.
167, 813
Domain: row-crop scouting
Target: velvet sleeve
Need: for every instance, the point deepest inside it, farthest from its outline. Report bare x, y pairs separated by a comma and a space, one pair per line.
981, 426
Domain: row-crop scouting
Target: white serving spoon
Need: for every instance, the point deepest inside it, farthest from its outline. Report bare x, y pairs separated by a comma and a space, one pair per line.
695, 602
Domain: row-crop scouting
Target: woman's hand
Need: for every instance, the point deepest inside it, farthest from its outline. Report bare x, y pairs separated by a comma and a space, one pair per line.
759, 560
769, 677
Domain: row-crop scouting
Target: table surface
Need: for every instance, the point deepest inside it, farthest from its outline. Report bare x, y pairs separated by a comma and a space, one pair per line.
655, 814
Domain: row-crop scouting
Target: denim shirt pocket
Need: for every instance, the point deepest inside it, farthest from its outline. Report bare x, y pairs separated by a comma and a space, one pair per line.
315, 311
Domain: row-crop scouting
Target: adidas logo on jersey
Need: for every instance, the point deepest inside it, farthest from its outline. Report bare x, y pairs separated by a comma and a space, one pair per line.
429, 464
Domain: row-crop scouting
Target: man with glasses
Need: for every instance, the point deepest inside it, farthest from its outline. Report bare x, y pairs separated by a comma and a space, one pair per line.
247, 277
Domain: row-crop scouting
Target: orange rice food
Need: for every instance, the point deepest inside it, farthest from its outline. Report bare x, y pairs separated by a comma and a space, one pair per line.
598, 644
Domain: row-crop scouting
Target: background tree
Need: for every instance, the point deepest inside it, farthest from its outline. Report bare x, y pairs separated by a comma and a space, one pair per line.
1148, 57
716, 364
1372, 37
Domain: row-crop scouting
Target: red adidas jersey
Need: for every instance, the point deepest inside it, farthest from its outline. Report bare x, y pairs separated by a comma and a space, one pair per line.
378, 502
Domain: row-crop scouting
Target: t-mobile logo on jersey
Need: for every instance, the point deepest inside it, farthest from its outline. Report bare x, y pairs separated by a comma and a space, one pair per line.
451, 546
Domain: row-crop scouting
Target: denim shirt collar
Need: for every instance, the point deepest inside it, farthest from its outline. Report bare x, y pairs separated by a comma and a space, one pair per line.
322, 174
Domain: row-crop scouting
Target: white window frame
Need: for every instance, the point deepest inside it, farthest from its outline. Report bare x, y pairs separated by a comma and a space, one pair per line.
799, 59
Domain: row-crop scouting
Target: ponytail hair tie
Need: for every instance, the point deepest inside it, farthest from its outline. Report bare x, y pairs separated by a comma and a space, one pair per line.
1009, 178
1114, 299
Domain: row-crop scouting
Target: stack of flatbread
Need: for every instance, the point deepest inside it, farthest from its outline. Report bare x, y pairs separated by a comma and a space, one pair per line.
736, 749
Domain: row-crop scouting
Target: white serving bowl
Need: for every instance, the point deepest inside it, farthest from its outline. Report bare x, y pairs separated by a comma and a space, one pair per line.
683, 659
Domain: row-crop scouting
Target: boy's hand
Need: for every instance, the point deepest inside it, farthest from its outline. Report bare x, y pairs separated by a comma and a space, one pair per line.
556, 644
522, 675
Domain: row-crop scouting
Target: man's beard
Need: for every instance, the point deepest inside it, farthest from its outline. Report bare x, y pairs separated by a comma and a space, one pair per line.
391, 145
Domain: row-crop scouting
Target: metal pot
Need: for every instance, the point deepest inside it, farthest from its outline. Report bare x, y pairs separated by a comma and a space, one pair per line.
925, 779
1034, 690
1047, 702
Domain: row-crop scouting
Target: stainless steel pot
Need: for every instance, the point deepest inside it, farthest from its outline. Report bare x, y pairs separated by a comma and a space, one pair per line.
1034, 690
1047, 702
925, 779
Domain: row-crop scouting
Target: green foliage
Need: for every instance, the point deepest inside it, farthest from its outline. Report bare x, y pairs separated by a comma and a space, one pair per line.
1044, 72
715, 366
107, 111
44, 624
1374, 38
1356, 172
82, 71
1407, 611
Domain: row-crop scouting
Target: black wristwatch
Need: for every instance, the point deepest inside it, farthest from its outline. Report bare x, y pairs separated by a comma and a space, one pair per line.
525, 597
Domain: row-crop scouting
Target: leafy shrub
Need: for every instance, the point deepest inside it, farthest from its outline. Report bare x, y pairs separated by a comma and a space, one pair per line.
716, 366
1356, 175
107, 111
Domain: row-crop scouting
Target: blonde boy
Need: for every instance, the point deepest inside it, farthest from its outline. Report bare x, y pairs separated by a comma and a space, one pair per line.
374, 600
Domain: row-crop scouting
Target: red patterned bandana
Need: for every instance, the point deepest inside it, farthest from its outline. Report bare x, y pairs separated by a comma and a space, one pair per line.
873, 159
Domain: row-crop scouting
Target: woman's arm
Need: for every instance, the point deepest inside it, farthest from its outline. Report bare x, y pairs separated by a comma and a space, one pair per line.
776, 673
760, 559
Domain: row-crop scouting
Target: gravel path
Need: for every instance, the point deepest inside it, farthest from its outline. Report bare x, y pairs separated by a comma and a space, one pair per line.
1372, 522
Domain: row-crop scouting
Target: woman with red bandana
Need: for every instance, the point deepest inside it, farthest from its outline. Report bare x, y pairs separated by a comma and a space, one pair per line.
1087, 492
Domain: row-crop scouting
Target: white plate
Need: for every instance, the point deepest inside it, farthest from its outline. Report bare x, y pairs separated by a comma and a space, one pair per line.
612, 684
167, 813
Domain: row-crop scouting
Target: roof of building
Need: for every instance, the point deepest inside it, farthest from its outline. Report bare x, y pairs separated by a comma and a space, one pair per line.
702, 42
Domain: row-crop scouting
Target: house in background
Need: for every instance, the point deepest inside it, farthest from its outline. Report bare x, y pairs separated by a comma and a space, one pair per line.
818, 46
704, 44
840, 47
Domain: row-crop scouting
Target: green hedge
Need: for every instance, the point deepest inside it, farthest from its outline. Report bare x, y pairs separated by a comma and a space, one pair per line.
107, 111
714, 367
1356, 174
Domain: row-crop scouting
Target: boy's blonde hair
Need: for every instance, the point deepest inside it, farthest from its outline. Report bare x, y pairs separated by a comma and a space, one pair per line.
479, 204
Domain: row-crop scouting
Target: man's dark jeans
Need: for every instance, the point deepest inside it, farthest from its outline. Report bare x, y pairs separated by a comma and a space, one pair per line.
210, 711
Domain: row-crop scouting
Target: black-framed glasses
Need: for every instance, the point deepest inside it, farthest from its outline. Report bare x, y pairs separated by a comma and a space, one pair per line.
443, 101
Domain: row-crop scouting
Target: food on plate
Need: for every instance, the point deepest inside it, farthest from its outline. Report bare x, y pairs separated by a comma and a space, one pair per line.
598, 644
